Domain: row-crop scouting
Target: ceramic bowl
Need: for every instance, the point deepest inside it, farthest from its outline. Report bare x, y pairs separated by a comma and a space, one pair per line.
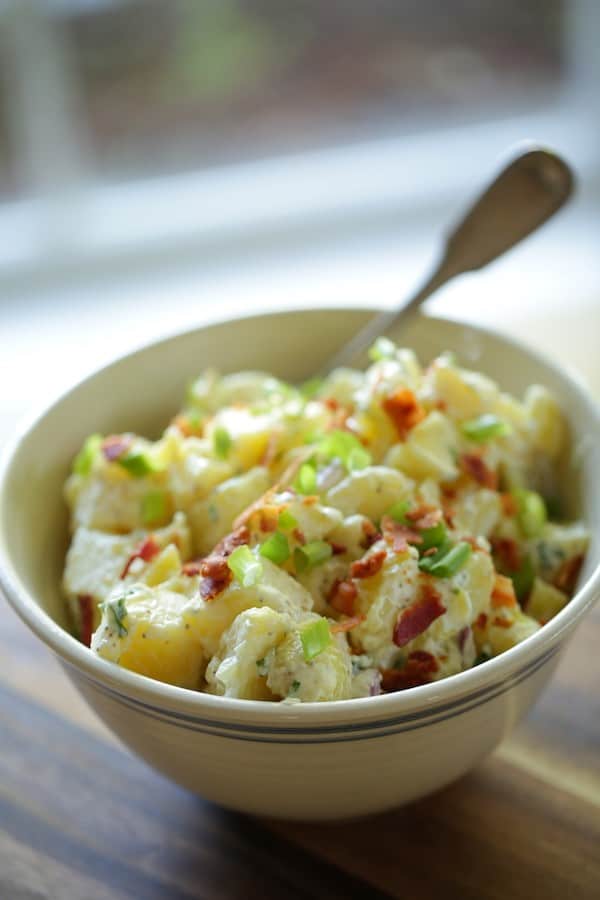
310, 761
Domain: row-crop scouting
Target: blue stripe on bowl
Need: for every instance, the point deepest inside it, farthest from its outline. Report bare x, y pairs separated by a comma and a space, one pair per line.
325, 733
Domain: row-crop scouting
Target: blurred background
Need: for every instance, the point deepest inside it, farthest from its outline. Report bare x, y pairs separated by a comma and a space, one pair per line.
165, 162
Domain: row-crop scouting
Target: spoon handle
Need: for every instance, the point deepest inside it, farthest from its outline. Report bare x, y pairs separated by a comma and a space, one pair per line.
523, 196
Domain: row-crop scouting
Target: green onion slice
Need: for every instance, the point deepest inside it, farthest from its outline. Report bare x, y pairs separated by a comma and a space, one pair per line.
83, 462
154, 507
531, 515
306, 479
312, 554
246, 568
398, 511
447, 561
138, 464
437, 536
523, 578
286, 520
346, 447
276, 548
383, 348
485, 428
221, 442
311, 387
315, 637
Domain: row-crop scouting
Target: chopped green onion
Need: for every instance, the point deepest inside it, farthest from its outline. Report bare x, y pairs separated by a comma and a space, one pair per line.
315, 637
83, 462
484, 428
383, 348
311, 387
154, 507
398, 511
306, 479
532, 515
436, 536
346, 447
276, 548
483, 657
194, 418
449, 563
312, 554
138, 464
247, 569
118, 611
523, 578
294, 688
286, 520
221, 442
261, 666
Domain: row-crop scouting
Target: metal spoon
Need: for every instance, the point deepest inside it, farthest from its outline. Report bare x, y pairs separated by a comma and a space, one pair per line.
524, 195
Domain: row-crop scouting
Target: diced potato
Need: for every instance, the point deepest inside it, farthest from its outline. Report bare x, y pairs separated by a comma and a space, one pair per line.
211, 519
240, 666
429, 450
508, 629
465, 394
545, 601
326, 677
548, 428
477, 512
341, 385
144, 629
370, 491
556, 545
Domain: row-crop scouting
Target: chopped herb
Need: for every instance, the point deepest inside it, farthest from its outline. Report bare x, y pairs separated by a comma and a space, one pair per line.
83, 462
261, 666
119, 613
447, 561
315, 637
246, 568
138, 464
398, 511
346, 447
276, 548
221, 442
523, 578
485, 428
295, 687
531, 514
383, 348
437, 536
312, 554
213, 513
286, 520
483, 657
306, 479
311, 387
154, 507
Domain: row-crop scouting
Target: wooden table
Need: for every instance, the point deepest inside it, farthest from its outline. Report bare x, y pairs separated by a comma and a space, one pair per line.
81, 819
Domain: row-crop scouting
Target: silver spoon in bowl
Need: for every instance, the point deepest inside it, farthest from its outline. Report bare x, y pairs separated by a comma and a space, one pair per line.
525, 194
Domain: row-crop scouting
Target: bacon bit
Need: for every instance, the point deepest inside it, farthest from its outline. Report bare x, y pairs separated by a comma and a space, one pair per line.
473, 543
347, 624
268, 518
463, 636
86, 610
480, 621
566, 577
503, 592
146, 551
509, 505
441, 405
404, 410
214, 569
414, 620
193, 567
336, 548
186, 428
331, 403
449, 514
399, 536
212, 587
368, 565
299, 535
310, 500
370, 532
507, 552
474, 466
287, 476
501, 623
115, 445
234, 539
342, 597
431, 552
449, 493
419, 668
425, 516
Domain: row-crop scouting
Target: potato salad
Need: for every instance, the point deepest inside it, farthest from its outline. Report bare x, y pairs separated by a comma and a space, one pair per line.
366, 533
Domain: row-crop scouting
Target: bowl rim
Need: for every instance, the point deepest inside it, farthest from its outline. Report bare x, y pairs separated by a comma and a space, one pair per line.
424, 701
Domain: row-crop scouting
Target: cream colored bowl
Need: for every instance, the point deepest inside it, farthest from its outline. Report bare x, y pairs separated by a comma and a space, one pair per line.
314, 761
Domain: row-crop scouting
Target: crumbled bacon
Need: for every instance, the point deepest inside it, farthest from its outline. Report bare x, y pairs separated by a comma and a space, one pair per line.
509, 504
214, 569
449, 514
419, 668
503, 592
86, 622
566, 577
342, 597
404, 410
501, 623
193, 567
507, 552
347, 624
370, 532
337, 549
425, 516
415, 619
462, 637
368, 565
186, 427
398, 535
146, 551
480, 621
268, 517
475, 466
115, 445
299, 535
331, 403
310, 500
